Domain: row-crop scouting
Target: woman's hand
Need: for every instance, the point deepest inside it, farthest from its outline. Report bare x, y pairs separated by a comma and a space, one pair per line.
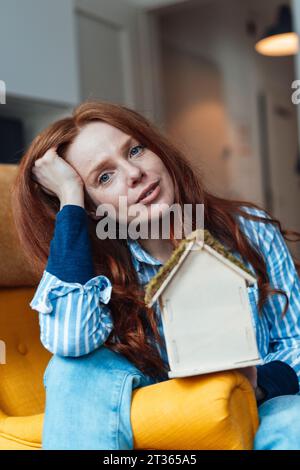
251, 374
58, 178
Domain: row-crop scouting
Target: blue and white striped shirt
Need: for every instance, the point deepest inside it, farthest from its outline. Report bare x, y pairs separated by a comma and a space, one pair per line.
75, 318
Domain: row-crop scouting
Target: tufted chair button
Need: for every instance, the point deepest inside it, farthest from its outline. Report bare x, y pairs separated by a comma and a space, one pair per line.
22, 348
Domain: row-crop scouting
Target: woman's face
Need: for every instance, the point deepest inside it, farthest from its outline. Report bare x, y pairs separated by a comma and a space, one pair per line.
113, 164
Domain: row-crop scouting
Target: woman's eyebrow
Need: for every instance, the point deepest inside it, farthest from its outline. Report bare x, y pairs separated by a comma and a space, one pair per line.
100, 165
98, 168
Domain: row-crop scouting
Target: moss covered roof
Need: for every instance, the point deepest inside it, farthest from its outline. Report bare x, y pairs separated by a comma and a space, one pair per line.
154, 284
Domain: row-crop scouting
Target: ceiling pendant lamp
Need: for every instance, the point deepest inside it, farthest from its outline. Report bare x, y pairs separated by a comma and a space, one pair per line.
279, 39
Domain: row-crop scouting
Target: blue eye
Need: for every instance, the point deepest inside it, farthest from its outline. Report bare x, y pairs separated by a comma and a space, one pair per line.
137, 146
101, 178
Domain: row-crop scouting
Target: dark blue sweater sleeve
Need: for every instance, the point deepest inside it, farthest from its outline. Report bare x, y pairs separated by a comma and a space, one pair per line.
70, 257
276, 378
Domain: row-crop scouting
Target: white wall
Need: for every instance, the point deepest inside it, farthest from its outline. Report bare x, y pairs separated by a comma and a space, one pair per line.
109, 49
195, 114
37, 50
57, 53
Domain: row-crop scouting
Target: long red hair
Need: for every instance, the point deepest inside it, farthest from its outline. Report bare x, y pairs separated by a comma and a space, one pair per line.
35, 211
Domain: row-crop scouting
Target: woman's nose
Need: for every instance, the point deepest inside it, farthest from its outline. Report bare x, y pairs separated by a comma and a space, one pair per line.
134, 174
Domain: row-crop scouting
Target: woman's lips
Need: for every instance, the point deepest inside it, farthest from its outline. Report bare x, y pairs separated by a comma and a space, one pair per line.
150, 197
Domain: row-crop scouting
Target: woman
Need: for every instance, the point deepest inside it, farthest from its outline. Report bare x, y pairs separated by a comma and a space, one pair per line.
91, 292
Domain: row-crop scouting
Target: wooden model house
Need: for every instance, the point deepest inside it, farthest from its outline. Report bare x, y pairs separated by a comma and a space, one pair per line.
206, 313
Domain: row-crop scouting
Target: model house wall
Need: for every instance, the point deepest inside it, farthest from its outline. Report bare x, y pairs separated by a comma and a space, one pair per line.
206, 316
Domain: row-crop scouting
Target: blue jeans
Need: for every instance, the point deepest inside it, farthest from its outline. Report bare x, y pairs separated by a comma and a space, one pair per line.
88, 402
279, 427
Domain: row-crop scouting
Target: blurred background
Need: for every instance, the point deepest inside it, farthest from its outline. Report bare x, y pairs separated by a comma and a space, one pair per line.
215, 75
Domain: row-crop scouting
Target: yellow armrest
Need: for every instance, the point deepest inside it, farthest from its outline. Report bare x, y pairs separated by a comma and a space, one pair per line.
213, 411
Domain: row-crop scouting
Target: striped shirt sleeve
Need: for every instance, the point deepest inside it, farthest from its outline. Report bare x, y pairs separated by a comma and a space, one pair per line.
74, 318
284, 333
72, 302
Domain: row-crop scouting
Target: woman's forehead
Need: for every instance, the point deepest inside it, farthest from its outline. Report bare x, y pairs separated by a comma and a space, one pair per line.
96, 137
95, 143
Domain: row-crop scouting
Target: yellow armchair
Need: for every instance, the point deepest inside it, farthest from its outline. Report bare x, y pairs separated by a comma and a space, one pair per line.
215, 411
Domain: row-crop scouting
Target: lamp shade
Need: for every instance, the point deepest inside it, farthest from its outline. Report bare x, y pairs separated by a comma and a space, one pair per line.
279, 39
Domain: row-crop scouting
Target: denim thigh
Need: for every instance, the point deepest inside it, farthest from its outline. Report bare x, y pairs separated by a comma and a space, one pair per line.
88, 401
279, 427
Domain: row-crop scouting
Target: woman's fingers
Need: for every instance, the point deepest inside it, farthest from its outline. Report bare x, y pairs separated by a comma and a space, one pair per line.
251, 374
55, 175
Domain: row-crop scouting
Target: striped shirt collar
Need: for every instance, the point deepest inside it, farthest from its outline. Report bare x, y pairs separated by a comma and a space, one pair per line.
140, 255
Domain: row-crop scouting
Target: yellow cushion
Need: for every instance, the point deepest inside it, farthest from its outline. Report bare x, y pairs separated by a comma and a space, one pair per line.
21, 432
15, 270
21, 378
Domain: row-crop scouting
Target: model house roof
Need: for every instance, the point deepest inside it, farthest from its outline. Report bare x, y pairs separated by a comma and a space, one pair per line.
203, 240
